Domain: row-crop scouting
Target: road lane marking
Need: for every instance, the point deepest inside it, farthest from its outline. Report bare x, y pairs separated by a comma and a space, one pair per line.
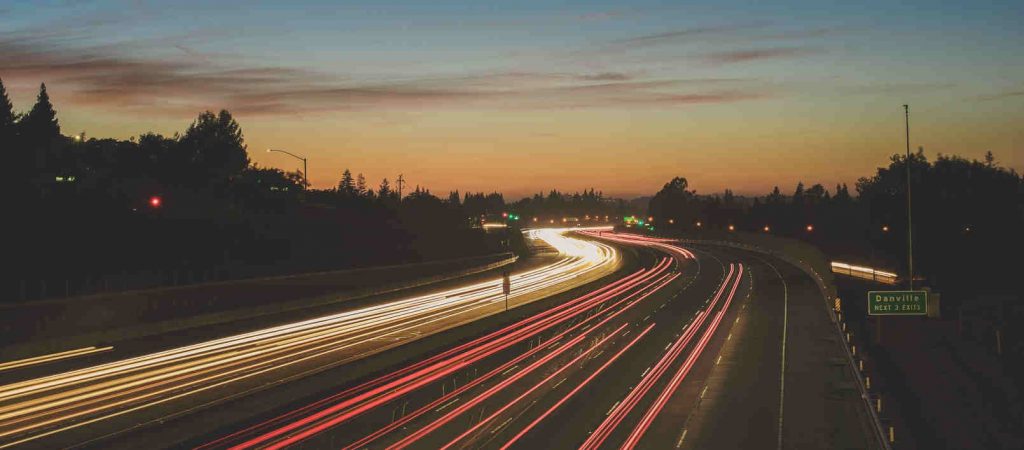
442, 407
53, 357
785, 326
679, 443
613, 407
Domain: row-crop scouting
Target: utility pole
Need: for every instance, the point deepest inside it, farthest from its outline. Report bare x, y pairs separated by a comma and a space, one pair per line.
910, 224
401, 182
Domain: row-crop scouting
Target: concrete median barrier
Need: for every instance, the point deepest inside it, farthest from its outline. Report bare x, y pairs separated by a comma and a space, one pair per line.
54, 325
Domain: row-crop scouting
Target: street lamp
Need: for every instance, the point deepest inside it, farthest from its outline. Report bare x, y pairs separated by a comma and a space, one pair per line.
305, 176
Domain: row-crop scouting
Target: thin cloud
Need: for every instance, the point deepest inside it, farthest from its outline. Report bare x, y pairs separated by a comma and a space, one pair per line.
183, 84
1001, 95
740, 56
676, 35
803, 34
710, 97
896, 88
606, 76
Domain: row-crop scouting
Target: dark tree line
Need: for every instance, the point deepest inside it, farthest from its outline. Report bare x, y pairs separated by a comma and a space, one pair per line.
578, 204
555, 205
967, 219
93, 214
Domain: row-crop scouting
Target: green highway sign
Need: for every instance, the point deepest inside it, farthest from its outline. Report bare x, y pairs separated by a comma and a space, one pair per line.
882, 303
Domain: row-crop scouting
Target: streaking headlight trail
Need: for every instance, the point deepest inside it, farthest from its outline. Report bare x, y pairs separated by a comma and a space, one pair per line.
44, 406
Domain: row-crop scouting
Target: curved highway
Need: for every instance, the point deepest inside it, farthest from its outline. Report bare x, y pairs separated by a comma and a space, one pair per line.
235, 365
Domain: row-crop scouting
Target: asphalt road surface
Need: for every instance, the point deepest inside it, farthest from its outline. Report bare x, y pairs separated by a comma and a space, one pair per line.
80, 405
686, 347
663, 358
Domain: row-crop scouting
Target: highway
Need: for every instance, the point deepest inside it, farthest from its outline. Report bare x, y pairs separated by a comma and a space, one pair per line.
504, 388
176, 379
657, 359
686, 349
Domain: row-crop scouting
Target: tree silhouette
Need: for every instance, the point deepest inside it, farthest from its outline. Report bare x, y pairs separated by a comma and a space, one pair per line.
384, 191
7, 117
40, 125
674, 202
798, 194
361, 185
213, 149
453, 198
347, 185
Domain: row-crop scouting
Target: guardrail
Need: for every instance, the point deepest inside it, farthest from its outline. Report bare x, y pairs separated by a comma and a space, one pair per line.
42, 335
864, 273
883, 437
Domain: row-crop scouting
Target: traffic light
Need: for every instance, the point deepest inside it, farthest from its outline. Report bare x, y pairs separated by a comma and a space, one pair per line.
155, 201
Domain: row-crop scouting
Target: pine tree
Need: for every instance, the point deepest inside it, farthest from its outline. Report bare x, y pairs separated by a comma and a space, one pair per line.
798, 194
7, 118
453, 198
347, 185
40, 124
361, 184
384, 191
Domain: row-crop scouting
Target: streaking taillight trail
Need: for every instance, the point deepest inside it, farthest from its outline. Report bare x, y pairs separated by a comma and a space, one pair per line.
392, 386
581, 320
40, 407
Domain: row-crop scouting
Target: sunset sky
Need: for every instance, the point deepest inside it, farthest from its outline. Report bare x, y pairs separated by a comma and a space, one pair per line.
526, 96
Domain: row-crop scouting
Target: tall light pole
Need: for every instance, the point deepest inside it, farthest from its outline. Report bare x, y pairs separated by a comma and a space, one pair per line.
910, 235
305, 174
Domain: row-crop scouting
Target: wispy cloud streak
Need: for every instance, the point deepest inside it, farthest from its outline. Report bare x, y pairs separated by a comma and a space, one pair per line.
740, 56
185, 82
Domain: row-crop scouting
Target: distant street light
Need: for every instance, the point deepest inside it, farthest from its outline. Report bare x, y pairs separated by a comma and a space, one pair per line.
810, 228
155, 201
767, 228
732, 227
698, 224
305, 173
885, 228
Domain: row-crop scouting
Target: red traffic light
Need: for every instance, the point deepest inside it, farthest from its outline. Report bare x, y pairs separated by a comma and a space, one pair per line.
155, 201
